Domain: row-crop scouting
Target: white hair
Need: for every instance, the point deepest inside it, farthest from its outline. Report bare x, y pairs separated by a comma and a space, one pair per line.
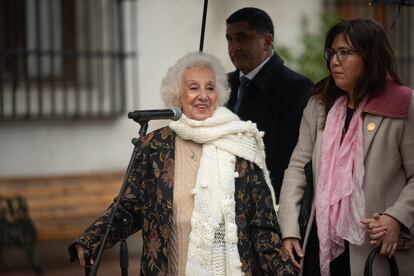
171, 83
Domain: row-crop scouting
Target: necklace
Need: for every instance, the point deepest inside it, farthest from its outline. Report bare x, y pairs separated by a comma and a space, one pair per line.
193, 155
191, 148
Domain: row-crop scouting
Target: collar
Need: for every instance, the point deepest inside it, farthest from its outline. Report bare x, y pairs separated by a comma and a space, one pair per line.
266, 76
392, 101
256, 70
269, 74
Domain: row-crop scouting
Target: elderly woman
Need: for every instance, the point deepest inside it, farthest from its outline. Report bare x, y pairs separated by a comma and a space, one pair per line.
358, 130
200, 191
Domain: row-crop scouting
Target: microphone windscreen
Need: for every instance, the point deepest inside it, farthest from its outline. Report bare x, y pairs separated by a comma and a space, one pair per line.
177, 113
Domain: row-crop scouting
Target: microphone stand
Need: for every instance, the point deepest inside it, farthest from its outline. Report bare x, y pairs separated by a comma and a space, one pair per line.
120, 213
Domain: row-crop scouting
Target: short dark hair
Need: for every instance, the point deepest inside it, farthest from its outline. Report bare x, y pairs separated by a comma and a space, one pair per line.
369, 40
258, 19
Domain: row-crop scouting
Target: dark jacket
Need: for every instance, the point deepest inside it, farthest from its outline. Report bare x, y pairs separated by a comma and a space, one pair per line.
274, 99
150, 199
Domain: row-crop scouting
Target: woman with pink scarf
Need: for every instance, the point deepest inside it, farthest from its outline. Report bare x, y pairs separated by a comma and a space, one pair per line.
358, 130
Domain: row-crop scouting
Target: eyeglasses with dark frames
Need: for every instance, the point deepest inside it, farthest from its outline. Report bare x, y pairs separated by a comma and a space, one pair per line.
341, 53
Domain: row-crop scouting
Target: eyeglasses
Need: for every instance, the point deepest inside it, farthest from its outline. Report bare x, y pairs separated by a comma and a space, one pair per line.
341, 54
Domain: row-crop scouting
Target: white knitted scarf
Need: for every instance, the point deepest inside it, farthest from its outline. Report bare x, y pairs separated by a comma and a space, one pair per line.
223, 137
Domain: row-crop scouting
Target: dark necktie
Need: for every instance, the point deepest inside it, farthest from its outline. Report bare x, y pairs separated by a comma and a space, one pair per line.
242, 87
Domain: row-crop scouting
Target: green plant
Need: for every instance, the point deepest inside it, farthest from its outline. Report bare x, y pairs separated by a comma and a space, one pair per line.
310, 62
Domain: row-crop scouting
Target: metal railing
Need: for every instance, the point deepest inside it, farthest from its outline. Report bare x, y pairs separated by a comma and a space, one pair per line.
62, 59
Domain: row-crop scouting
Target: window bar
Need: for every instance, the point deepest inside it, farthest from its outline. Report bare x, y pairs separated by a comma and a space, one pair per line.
39, 59
52, 59
131, 54
88, 60
76, 57
1, 83
122, 56
28, 93
100, 57
113, 58
65, 59
2, 69
21, 58
14, 57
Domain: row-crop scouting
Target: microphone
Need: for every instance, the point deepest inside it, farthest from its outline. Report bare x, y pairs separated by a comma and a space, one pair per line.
155, 114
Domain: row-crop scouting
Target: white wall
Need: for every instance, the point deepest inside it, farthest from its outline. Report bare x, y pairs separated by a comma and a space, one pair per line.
166, 30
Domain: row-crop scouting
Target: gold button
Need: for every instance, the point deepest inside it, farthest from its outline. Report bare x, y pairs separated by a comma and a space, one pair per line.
371, 126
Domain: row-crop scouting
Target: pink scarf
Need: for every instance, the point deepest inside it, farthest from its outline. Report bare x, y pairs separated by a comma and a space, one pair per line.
340, 201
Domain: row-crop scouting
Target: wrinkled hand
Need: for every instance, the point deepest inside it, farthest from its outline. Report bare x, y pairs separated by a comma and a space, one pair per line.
293, 247
383, 231
81, 255
392, 234
375, 229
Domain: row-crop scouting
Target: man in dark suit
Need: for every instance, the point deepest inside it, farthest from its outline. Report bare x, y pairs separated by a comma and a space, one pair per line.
263, 90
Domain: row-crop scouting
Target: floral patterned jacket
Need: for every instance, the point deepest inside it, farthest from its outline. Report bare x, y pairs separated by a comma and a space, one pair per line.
149, 198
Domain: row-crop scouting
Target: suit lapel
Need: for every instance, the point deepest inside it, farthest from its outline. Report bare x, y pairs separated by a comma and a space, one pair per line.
234, 82
370, 128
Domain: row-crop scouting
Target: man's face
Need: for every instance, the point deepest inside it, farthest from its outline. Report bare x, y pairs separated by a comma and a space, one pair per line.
247, 49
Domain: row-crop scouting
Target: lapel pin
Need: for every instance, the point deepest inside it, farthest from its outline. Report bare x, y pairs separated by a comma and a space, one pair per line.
371, 126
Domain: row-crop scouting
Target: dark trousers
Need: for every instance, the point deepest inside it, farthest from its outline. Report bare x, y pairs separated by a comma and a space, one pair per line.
340, 266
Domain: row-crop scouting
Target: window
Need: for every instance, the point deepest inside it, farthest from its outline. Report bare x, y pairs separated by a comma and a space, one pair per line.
62, 59
401, 35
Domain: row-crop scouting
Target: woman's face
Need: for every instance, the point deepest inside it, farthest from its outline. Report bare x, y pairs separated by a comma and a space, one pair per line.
198, 95
345, 72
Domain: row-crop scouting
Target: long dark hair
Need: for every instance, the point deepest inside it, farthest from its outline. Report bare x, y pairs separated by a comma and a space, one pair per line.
369, 40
